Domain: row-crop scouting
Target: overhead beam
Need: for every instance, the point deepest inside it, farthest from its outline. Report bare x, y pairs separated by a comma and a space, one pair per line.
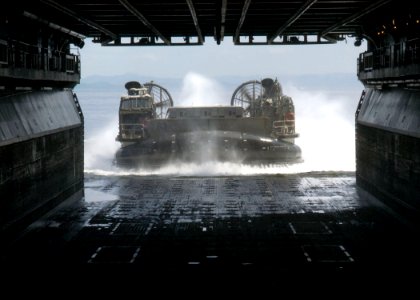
219, 28
135, 12
223, 19
291, 20
81, 19
53, 25
195, 19
330, 38
355, 16
285, 43
241, 21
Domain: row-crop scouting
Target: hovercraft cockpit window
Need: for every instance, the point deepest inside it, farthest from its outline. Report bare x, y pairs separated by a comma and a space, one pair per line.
136, 103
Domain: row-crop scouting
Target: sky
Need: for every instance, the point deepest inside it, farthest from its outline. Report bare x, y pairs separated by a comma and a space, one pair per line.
225, 59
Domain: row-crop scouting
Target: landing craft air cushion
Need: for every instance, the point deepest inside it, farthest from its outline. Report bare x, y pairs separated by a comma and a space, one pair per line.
258, 127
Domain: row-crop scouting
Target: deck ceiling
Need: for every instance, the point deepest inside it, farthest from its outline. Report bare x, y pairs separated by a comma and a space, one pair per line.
166, 22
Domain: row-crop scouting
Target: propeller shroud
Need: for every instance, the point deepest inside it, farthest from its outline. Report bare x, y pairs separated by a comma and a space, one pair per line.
247, 95
162, 100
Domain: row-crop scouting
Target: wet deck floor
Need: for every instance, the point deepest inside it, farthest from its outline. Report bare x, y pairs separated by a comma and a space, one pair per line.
252, 228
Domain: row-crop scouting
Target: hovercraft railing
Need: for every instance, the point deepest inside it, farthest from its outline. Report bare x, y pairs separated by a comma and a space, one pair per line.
284, 129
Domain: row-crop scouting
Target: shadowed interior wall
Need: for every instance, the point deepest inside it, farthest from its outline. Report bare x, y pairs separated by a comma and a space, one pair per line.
388, 146
41, 153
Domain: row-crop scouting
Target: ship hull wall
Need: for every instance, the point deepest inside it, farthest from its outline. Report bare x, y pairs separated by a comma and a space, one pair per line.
388, 146
41, 154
